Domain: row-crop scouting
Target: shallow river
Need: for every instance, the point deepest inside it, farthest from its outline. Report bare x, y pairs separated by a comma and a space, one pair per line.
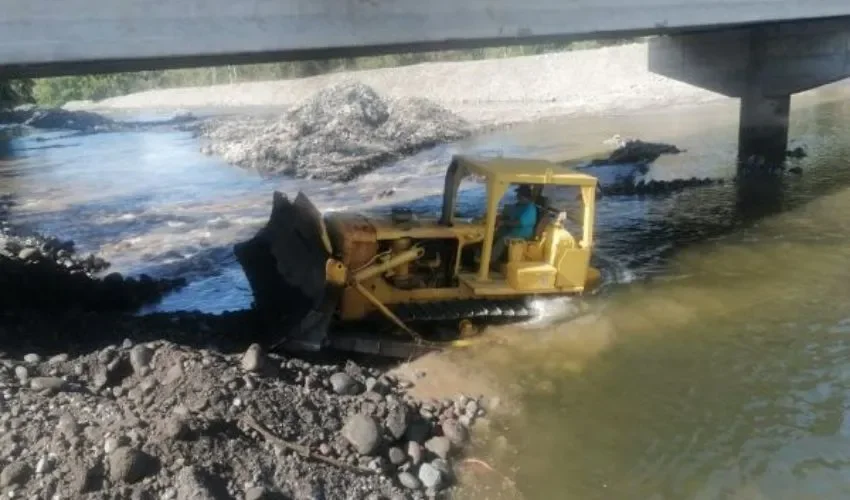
714, 365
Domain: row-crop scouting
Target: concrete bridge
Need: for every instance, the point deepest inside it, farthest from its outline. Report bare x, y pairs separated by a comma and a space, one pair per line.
761, 51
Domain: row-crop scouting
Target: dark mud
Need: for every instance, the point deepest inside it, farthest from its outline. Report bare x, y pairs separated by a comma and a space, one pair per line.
79, 121
638, 155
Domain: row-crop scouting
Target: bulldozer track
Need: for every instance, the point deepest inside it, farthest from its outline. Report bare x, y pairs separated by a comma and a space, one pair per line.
436, 322
477, 311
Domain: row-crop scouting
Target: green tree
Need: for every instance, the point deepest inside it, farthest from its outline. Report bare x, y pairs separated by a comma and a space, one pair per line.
14, 92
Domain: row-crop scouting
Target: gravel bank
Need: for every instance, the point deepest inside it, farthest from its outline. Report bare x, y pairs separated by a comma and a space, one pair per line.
170, 419
485, 93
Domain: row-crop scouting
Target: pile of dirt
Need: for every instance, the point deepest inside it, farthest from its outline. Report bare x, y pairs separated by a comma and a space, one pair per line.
632, 159
166, 420
635, 151
338, 134
48, 274
58, 118
83, 122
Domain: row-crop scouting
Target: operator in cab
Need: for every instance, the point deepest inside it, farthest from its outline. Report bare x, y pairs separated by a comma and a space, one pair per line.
516, 222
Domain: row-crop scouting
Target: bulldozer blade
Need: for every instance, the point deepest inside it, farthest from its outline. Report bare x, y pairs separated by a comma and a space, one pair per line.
284, 264
311, 331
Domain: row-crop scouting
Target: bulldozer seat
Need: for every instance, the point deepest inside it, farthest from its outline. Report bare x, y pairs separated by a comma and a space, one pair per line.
539, 271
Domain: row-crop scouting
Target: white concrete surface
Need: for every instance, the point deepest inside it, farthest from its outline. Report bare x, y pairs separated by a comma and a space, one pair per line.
56, 35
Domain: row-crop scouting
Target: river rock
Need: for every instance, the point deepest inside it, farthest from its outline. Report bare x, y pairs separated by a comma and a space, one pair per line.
409, 481
193, 484
32, 358
51, 384
396, 455
68, 426
29, 254
456, 432
16, 473
254, 359
44, 465
343, 383
58, 359
370, 384
22, 373
176, 428
173, 375
414, 451
430, 476
258, 493
440, 446
362, 432
140, 359
397, 420
129, 465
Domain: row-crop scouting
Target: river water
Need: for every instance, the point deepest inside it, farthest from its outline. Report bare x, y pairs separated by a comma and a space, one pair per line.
713, 366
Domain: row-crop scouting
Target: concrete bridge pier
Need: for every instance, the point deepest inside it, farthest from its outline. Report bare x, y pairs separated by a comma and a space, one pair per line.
763, 128
763, 66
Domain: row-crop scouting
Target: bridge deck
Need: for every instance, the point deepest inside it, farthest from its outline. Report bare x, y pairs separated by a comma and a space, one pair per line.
49, 37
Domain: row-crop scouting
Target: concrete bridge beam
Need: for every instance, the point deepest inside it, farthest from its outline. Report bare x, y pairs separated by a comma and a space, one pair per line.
50, 37
762, 66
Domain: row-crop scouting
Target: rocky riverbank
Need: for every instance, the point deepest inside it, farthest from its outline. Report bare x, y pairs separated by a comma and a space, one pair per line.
337, 134
98, 403
188, 416
45, 273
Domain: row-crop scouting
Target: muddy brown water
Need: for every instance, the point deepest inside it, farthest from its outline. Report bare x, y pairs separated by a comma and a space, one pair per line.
714, 364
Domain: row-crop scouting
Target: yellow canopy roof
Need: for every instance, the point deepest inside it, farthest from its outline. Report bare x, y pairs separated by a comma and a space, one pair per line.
524, 171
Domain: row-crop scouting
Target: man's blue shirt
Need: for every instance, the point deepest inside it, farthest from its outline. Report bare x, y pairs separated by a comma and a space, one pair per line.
526, 215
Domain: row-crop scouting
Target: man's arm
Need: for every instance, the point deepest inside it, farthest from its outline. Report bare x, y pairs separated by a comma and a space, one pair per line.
508, 218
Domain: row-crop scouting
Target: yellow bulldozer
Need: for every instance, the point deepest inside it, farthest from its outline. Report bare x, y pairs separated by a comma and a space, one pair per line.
398, 284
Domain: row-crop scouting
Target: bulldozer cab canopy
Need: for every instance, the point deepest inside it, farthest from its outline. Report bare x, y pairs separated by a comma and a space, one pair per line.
522, 171
499, 173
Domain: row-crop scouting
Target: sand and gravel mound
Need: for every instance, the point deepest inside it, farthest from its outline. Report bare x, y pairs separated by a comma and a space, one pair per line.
338, 134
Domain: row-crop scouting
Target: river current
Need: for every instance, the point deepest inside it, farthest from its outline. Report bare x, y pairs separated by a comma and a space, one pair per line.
713, 366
